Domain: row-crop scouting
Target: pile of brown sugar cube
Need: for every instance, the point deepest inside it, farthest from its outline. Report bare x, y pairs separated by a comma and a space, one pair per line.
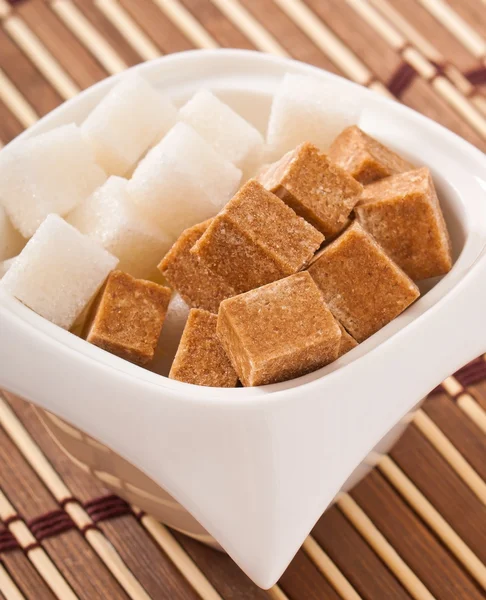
306, 261
280, 277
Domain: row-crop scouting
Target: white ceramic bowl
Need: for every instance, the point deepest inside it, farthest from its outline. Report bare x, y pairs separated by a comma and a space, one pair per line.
257, 467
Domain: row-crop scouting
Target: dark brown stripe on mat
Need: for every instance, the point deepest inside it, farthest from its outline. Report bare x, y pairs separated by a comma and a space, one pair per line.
106, 507
472, 373
7, 541
401, 79
52, 523
63, 503
476, 76
56, 522
11, 520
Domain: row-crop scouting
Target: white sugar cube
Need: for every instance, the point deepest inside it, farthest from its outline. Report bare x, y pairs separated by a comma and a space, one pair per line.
58, 272
111, 218
11, 242
306, 109
172, 329
50, 173
5, 265
227, 132
182, 181
129, 119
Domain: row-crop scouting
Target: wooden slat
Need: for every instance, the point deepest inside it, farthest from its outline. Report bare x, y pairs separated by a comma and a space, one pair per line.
423, 98
368, 574
221, 30
447, 492
179, 557
41, 58
160, 29
329, 569
442, 40
133, 34
379, 57
109, 32
472, 12
456, 460
412, 56
10, 126
422, 43
24, 577
29, 82
413, 541
60, 41
90, 579
136, 548
15, 102
131, 542
259, 35
457, 26
32, 499
294, 41
479, 391
473, 409
36, 553
89, 36
383, 548
302, 580
324, 37
463, 433
31, 496
51, 479
188, 23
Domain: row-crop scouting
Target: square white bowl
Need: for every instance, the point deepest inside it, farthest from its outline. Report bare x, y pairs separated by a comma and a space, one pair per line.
258, 466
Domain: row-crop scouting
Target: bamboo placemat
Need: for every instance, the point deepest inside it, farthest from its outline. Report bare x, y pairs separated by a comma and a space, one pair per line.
416, 526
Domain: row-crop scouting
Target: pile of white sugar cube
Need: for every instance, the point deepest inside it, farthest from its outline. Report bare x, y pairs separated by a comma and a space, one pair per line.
117, 190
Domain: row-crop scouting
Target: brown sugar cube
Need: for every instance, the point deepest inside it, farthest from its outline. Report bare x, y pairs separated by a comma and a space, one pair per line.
347, 341
127, 317
318, 190
196, 283
200, 358
403, 214
365, 158
361, 284
256, 239
279, 331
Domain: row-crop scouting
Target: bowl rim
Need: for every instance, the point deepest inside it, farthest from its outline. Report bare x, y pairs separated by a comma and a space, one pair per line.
221, 59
